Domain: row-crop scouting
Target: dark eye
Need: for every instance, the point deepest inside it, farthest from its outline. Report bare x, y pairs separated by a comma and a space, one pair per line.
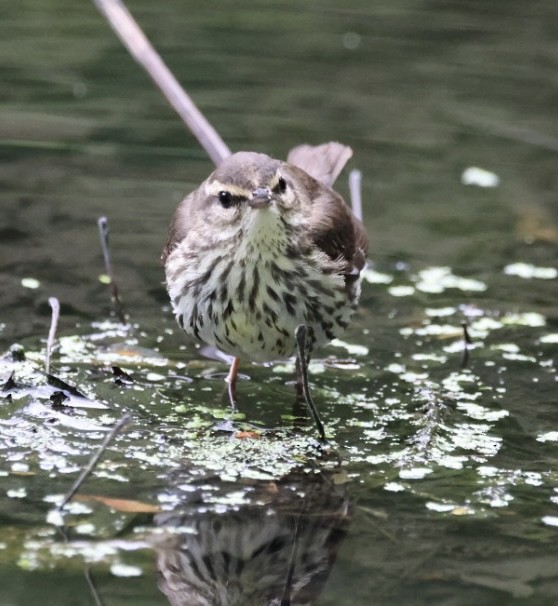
280, 187
229, 200
226, 199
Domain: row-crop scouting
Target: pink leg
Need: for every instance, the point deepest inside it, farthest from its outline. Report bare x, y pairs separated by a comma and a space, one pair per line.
231, 380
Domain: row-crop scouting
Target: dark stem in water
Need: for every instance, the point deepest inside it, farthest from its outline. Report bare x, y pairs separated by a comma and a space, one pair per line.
466, 342
104, 234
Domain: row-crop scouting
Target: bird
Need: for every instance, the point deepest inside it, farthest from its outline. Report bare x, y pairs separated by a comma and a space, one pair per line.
264, 259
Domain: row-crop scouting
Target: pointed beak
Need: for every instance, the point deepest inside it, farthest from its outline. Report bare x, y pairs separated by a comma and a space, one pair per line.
261, 198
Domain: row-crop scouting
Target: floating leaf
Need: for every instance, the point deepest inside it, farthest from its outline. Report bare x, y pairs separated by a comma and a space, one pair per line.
125, 505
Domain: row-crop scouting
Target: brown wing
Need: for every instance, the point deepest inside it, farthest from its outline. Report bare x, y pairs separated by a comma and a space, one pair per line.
336, 231
332, 226
323, 162
179, 226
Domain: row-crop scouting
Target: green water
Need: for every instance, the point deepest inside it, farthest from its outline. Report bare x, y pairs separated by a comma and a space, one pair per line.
439, 482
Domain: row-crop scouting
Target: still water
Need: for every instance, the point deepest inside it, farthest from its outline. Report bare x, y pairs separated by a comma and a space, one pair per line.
439, 483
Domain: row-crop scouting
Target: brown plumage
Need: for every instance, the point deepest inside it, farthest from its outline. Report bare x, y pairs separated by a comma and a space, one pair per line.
263, 246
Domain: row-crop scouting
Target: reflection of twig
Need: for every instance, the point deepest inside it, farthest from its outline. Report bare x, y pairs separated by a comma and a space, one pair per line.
411, 569
95, 459
143, 52
55, 306
433, 416
104, 235
86, 570
370, 517
93, 587
287, 591
507, 129
355, 189
286, 598
434, 410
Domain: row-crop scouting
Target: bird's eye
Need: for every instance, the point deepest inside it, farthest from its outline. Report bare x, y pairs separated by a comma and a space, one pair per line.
280, 187
226, 199
229, 200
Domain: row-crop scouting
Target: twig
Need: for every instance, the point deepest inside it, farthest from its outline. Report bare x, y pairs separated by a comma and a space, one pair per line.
125, 420
55, 306
466, 342
355, 189
143, 52
104, 235
63, 386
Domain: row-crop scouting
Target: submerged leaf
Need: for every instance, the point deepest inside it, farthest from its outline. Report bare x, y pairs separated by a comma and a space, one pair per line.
125, 505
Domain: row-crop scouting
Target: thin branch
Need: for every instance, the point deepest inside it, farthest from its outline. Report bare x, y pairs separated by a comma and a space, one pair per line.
55, 306
125, 420
143, 52
104, 235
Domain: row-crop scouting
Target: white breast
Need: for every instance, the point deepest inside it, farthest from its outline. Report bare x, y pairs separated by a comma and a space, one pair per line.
248, 297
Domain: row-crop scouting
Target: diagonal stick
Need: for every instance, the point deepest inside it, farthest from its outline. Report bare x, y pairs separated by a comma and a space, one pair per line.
143, 52
119, 426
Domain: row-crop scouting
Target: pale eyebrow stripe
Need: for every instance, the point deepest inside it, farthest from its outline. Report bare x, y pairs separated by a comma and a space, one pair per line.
274, 182
213, 189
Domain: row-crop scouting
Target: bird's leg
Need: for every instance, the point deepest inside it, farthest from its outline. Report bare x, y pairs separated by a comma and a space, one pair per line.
301, 334
231, 381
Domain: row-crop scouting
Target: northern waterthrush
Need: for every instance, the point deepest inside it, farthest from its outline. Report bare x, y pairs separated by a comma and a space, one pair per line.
264, 254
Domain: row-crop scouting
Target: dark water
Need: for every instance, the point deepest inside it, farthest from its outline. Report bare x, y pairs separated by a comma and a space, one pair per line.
439, 485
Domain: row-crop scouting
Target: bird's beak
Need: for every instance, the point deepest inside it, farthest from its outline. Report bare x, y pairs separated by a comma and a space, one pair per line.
261, 198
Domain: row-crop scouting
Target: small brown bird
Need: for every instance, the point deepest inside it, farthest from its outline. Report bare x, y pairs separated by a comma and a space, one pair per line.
264, 258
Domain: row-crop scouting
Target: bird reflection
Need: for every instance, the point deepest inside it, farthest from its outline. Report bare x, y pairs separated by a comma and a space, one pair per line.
276, 548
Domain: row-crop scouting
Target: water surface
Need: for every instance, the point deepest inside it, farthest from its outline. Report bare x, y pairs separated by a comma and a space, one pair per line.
439, 484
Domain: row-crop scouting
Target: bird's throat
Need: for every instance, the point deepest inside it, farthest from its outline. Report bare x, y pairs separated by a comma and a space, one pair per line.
265, 233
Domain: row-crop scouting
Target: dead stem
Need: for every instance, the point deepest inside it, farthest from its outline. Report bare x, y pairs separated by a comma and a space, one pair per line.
355, 189
115, 295
55, 306
143, 52
466, 342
